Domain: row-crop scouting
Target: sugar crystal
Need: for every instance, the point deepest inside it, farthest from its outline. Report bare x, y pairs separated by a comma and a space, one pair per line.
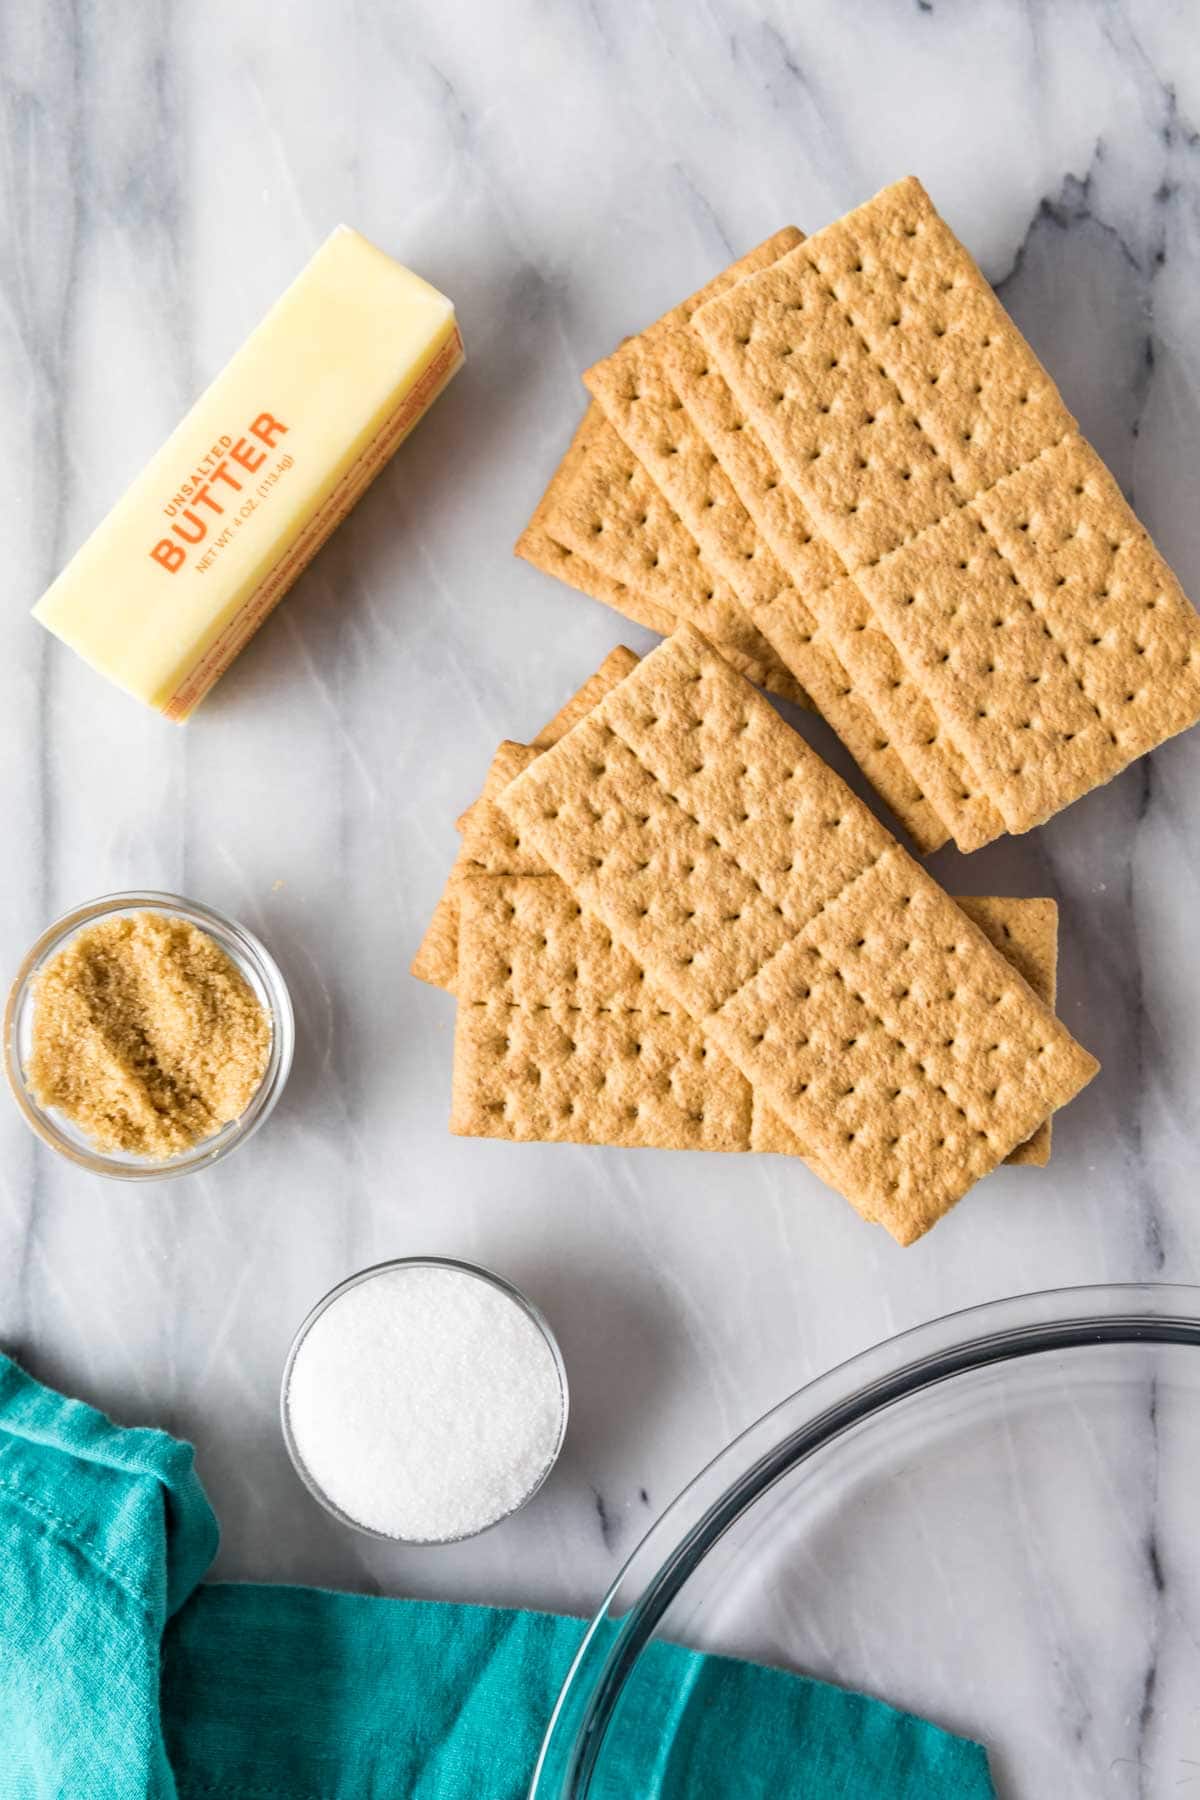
425, 1403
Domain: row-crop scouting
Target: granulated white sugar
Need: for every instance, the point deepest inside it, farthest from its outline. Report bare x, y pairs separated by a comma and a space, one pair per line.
425, 1403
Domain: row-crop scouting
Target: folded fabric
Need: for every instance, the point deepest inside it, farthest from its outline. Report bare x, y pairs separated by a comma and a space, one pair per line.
122, 1676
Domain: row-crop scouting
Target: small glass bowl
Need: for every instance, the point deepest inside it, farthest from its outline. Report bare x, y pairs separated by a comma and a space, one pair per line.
256, 965
532, 1313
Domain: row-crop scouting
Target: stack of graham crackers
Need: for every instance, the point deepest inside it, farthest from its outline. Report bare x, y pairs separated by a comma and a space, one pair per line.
671, 924
838, 472
842, 462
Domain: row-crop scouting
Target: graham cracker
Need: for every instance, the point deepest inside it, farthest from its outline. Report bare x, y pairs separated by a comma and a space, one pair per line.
603, 506
436, 960
1025, 932
537, 546
662, 573
635, 389
437, 957
560, 1036
936, 456
616, 665
838, 610
559, 1039
758, 892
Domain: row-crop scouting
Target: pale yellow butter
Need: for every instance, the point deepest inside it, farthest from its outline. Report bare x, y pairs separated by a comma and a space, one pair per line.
271, 457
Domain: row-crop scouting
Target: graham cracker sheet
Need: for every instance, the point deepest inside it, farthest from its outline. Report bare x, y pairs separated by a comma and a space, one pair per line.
1025, 932
834, 612
644, 549
603, 506
936, 457
766, 900
436, 960
437, 957
537, 548
616, 665
560, 1037
635, 389
536, 545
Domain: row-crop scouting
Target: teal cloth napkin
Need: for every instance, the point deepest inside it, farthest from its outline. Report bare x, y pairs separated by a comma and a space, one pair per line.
121, 1676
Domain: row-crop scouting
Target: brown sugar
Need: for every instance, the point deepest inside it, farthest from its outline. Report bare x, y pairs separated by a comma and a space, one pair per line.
146, 1035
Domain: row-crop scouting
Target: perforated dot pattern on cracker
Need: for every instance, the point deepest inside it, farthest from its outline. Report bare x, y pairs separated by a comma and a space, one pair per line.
882, 688
924, 437
607, 510
635, 388
537, 546
1025, 932
616, 665
436, 959
559, 1037
765, 899
488, 842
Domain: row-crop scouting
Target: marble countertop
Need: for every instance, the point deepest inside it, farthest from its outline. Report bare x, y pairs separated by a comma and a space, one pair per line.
565, 171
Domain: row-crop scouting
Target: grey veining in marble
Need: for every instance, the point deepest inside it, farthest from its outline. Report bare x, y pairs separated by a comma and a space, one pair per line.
566, 169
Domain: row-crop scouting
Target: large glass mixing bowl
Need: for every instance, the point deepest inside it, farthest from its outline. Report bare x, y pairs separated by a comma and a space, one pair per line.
990, 1521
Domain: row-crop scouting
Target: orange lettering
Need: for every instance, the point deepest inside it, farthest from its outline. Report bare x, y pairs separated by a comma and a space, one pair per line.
169, 555
247, 455
204, 498
201, 529
268, 428
221, 473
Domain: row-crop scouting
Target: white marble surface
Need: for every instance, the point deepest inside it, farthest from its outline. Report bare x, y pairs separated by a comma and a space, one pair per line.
565, 171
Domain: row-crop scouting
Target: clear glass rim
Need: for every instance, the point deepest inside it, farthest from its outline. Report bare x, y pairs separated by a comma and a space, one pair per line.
797, 1429
246, 949
532, 1312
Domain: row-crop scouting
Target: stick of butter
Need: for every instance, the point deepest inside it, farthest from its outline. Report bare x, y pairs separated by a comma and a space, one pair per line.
271, 458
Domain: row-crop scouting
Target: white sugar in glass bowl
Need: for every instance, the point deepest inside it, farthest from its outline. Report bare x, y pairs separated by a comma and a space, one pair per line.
424, 1400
